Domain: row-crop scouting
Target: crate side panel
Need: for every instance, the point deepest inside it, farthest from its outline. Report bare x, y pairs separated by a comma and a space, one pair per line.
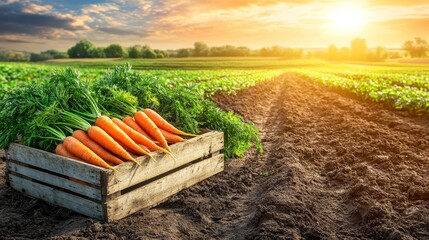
129, 174
55, 180
157, 191
57, 197
55, 163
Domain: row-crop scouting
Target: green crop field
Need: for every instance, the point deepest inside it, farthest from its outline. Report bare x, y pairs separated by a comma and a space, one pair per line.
404, 86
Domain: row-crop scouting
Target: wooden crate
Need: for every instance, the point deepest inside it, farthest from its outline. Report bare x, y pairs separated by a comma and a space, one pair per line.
111, 195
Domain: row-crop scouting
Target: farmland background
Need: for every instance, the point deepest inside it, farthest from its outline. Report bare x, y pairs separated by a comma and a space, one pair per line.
328, 144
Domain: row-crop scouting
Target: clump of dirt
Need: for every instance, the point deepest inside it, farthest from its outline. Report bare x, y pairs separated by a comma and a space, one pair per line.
334, 167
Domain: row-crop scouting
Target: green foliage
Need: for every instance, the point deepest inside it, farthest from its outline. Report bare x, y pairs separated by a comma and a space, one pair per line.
184, 52
14, 56
34, 57
97, 52
401, 90
82, 49
17, 108
147, 52
115, 51
135, 51
201, 49
238, 135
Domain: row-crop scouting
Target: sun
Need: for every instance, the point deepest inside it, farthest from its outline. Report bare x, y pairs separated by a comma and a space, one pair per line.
346, 18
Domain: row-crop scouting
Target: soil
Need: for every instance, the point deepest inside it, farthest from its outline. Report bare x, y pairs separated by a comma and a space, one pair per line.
334, 167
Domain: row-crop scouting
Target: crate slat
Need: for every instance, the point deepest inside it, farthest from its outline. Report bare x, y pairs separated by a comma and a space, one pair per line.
128, 174
158, 190
57, 197
55, 180
55, 163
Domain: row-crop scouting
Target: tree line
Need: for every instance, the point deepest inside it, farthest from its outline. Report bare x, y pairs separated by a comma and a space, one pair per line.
358, 50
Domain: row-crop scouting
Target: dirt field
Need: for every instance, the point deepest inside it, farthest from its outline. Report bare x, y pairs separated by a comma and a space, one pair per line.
334, 167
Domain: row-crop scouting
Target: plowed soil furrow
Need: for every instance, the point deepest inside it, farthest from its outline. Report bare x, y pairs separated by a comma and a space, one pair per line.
334, 167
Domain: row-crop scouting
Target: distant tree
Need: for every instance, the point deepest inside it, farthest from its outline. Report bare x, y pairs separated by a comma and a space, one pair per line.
265, 52
345, 53
135, 51
160, 53
333, 53
184, 52
82, 49
147, 52
56, 54
97, 52
358, 49
243, 51
14, 56
34, 57
201, 49
115, 51
380, 53
416, 48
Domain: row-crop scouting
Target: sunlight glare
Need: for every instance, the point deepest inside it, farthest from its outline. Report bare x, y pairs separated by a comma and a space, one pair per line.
347, 17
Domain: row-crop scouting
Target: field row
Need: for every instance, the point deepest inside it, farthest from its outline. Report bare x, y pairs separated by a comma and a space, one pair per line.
402, 90
207, 81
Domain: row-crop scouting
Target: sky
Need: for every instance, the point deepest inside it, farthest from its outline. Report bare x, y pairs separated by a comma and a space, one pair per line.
37, 25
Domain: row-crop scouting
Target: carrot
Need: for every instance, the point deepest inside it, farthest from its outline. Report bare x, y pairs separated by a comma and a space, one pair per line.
144, 147
116, 133
137, 137
171, 137
163, 124
95, 147
148, 125
62, 151
78, 149
101, 137
132, 124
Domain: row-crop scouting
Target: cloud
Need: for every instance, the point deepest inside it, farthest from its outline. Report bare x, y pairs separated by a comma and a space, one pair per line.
117, 31
34, 8
31, 20
399, 2
6, 40
99, 8
7, 2
410, 26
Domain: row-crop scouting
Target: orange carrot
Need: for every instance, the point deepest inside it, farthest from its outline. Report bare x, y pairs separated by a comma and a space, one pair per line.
101, 137
62, 151
163, 124
131, 152
116, 133
132, 124
148, 125
136, 136
95, 147
77, 148
171, 137
144, 147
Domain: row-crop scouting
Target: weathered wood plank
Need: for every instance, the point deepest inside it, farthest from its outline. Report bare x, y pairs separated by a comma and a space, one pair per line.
156, 191
55, 180
57, 197
129, 174
52, 162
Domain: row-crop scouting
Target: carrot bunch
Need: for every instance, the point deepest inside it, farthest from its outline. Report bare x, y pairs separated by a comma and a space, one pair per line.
111, 141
